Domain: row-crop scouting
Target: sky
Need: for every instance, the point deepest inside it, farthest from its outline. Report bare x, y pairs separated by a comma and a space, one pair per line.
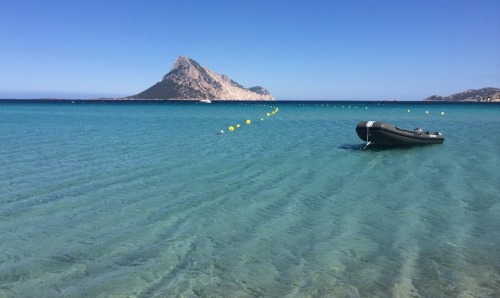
297, 50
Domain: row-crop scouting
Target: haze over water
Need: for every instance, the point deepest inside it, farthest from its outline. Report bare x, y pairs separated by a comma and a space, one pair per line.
147, 200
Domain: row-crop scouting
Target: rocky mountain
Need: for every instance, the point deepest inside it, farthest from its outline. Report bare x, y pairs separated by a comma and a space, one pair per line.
188, 80
481, 95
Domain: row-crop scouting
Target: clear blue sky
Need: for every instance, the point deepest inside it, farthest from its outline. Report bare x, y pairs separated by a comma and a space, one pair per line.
318, 50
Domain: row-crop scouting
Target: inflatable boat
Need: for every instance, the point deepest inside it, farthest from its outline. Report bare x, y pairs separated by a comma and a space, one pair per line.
384, 134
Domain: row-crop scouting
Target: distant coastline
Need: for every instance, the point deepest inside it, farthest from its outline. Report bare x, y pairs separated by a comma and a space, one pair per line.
125, 101
488, 94
484, 95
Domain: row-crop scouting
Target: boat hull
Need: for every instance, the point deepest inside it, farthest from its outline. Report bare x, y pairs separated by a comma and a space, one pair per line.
385, 134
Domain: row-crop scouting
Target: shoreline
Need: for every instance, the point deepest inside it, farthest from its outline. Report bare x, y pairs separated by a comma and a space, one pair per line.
126, 100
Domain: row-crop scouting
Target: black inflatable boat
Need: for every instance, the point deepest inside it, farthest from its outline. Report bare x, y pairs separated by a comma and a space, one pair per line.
384, 134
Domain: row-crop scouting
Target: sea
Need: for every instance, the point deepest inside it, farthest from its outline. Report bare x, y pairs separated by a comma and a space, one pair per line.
151, 199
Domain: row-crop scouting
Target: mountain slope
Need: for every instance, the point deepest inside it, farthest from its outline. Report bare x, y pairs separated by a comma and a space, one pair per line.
189, 80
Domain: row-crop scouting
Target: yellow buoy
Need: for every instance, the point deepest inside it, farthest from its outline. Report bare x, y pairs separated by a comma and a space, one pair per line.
230, 128
268, 114
238, 126
248, 121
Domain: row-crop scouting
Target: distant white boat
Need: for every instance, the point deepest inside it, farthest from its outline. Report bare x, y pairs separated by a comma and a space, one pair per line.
205, 101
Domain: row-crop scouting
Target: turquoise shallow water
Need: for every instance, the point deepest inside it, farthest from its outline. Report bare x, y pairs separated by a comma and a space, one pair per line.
146, 200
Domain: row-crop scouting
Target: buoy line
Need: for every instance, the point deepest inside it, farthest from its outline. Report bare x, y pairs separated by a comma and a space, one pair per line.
427, 112
232, 128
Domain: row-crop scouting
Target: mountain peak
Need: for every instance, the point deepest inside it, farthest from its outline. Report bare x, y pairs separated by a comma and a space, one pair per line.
182, 61
182, 58
189, 80
184, 67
